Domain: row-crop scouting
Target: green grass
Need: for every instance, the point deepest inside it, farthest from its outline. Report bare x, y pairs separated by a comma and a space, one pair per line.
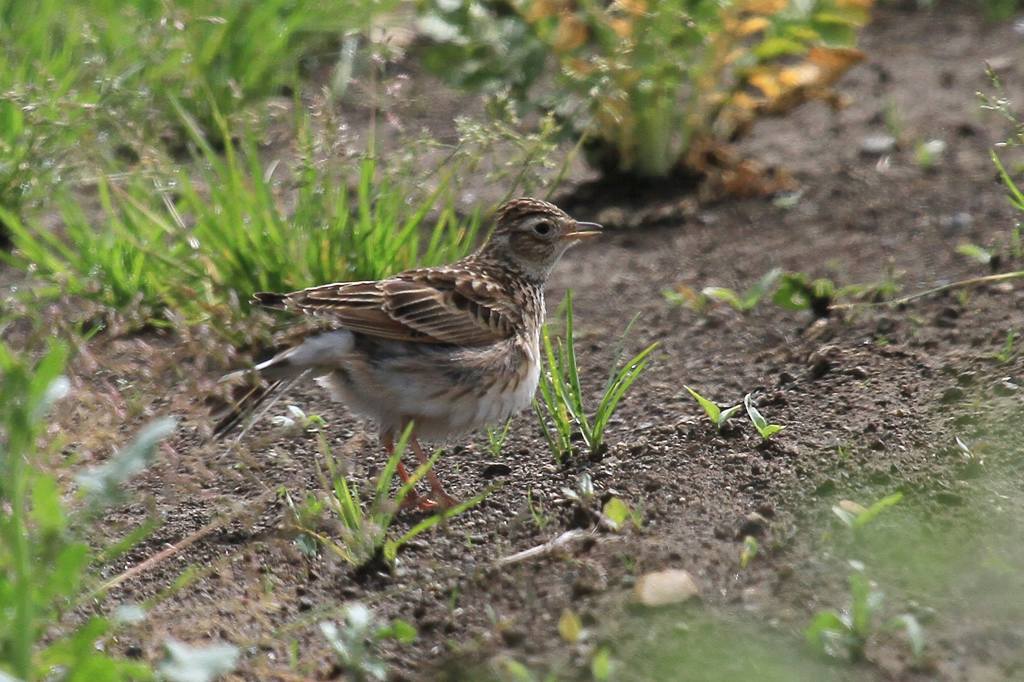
562, 410
365, 530
199, 243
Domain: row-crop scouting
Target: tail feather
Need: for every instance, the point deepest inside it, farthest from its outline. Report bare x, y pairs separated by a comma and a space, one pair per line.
252, 406
272, 378
270, 299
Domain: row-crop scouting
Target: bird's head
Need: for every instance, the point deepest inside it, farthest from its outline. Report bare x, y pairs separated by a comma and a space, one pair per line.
531, 235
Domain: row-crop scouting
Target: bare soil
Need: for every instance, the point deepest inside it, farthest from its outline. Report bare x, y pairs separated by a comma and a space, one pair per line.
871, 398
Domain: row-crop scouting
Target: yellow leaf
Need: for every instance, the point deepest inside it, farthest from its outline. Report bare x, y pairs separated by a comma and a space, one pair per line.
857, 4
766, 7
766, 82
541, 9
798, 75
744, 101
752, 26
571, 33
622, 27
570, 627
834, 61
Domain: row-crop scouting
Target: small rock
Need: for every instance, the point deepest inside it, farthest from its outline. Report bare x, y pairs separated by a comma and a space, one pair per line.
851, 507
858, 372
821, 361
961, 220
754, 524
947, 317
877, 144
966, 378
672, 586
513, 636
786, 378
495, 469
952, 394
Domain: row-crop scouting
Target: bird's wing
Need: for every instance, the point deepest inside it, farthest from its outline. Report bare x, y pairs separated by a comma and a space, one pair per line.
449, 305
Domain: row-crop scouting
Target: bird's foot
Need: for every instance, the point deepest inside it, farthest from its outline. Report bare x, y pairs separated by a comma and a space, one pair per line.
417, 502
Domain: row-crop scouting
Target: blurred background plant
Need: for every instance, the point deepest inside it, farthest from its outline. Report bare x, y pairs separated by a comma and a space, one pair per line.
653, 88
45, 563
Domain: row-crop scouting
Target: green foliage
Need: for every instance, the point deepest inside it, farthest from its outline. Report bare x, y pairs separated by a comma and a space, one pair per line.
354, 643
496, 438
787, 290
844, 634
561, 403
856, 518
365, 527
202, 252
716, 414
43, 562
749, 551
643, 82
1009, 351
749, 299
764, 429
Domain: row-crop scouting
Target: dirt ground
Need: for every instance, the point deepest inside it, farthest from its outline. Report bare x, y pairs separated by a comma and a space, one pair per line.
871, 399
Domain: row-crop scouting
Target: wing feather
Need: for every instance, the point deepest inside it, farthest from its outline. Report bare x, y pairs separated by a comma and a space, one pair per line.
445, 305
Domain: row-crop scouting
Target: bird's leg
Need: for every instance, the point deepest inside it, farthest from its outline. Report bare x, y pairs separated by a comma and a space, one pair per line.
413, 500
442, 498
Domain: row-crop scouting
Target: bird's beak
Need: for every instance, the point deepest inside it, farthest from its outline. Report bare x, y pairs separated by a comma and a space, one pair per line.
583, 231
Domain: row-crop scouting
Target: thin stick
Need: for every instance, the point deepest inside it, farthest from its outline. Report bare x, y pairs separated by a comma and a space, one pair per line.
988, 279
562, 540
165, 554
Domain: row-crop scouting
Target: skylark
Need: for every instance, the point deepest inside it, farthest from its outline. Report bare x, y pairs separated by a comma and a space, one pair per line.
449, 348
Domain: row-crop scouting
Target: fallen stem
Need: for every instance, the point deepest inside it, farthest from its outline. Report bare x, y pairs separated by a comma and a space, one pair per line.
164, 554
987, 279
566, 538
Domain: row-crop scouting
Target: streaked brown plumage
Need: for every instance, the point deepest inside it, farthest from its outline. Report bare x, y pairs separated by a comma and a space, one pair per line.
450, 348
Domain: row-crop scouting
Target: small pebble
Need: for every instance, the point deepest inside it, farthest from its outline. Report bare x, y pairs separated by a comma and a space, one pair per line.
877, 144
671, 586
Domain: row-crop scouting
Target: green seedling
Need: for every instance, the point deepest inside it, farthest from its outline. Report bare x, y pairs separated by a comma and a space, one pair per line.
616, 512
715, 413
765, 429
1008, 352
929, 154
797, 291
749, 299
540, 519
749, 551
365, 535
496, 438
583, 495
687, 297
856, 518
977, 253
561, 403
356, 640
844, 634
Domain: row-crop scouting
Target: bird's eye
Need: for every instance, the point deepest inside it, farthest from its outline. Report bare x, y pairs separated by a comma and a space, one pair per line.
542, 228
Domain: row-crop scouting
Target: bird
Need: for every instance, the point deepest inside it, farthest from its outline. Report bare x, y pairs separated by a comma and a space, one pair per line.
449, 349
